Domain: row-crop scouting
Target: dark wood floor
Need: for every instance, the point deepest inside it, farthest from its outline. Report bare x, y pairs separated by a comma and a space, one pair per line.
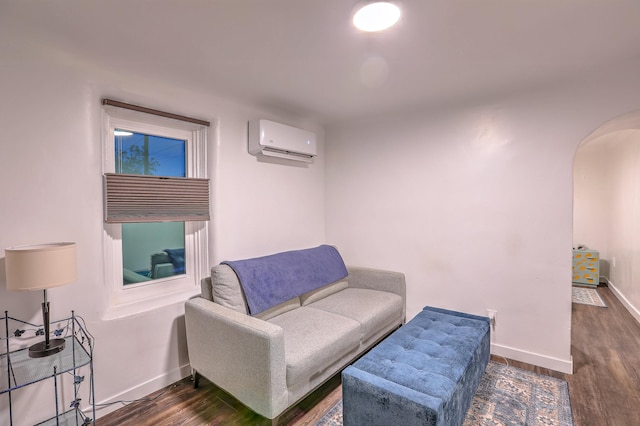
604, 389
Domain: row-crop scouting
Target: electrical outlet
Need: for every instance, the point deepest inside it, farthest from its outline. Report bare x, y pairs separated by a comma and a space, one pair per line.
492, 314
613, 261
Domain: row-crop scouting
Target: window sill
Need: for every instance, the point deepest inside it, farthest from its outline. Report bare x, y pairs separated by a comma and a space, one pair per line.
116, 311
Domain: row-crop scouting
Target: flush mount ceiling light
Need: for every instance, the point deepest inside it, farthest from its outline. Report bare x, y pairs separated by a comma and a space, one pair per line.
376, 16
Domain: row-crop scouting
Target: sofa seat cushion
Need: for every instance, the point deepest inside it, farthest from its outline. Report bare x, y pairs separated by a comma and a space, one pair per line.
374, 310
314, 340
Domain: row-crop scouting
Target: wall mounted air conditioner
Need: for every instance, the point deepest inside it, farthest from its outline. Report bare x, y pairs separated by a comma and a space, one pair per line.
279, 140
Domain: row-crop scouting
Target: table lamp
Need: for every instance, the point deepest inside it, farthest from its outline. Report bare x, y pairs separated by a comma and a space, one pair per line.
40, 267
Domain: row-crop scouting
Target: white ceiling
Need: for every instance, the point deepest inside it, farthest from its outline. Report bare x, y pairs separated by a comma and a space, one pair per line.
304, 56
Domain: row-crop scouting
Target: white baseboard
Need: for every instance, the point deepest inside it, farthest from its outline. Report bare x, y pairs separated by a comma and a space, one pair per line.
563, 366
556, 364
632, 309
140, 391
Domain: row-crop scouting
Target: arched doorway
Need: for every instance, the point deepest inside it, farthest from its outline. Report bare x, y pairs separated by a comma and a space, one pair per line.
606, 213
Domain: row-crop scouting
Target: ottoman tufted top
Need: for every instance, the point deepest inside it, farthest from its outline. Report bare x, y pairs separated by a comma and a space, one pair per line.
429, 354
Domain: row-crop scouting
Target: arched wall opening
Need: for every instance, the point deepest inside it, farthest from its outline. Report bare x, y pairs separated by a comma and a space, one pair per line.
606, 204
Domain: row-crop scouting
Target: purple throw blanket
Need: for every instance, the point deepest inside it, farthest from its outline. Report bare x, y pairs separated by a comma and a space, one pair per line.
270, 280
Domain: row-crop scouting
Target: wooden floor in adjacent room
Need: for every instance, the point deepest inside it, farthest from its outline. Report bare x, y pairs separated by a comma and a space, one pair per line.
604, 389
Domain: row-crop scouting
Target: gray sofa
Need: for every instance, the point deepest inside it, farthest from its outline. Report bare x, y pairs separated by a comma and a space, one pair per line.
271, 360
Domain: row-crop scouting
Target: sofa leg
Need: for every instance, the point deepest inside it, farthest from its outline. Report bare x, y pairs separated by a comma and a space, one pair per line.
196, 379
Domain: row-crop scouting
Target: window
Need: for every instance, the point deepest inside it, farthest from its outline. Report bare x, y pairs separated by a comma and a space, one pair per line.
153, 263
150, 251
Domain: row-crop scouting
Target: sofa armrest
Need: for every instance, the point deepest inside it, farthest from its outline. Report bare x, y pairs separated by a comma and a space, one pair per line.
239, 353
162, 270
378, 279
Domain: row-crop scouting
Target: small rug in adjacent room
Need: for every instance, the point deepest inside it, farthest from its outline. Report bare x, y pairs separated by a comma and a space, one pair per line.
506, 396
587, 296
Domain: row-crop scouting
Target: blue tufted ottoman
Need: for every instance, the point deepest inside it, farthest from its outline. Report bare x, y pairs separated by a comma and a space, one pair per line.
425, 373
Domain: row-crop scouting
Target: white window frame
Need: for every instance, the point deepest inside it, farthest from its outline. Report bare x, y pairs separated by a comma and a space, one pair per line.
133, 299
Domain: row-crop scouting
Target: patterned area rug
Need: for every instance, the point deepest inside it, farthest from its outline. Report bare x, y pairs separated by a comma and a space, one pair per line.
506, 396
587, 296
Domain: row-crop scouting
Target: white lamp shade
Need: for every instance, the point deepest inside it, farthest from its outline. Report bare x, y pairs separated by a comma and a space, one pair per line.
40, 266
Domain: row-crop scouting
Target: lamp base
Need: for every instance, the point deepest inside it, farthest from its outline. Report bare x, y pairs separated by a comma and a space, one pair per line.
42, 349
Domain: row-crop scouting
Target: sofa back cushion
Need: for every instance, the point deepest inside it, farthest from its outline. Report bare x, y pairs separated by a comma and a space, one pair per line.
225, 289
322, 292
268, 281
280, 309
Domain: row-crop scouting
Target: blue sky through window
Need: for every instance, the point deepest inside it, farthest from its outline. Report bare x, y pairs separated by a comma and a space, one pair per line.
162, 157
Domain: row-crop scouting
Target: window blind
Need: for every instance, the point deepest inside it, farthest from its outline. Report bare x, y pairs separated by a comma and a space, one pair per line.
143, 198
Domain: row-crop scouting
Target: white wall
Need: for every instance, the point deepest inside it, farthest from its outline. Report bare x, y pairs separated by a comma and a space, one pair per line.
474, 204
51, 190
624, 225
591, 203
607, 204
